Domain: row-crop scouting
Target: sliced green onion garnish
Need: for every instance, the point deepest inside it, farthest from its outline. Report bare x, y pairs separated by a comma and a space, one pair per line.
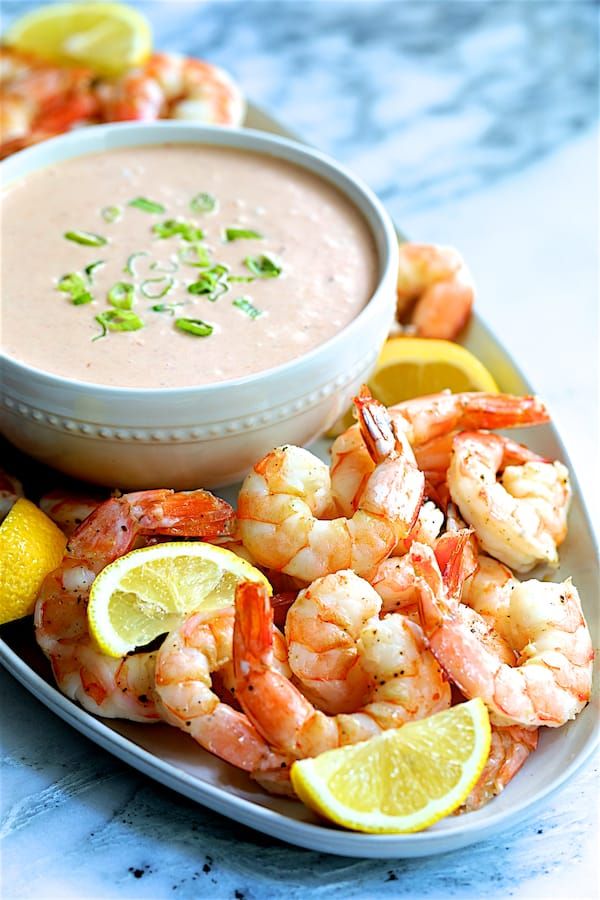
203, 203
211, 282
129, 267
263, 266
117, 320
146, 205
74, 284
111, 213
235, 233
246, 306
165, 307
194, 255
157, 292
171, 227
88, 238
244, 278
194, 326
121, 295
91, 268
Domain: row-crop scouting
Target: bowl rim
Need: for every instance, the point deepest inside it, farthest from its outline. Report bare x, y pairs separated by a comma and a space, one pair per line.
366, 201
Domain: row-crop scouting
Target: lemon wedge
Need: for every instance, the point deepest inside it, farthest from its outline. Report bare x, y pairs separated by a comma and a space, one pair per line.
31, 546
148, 592
106, 37
402, 780
413, 367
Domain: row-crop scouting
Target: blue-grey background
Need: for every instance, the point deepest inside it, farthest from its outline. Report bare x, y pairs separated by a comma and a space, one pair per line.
477, 124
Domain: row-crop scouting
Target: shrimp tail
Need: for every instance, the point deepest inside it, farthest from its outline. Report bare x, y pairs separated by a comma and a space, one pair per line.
376, 427
253, 629
183, 513
503, 411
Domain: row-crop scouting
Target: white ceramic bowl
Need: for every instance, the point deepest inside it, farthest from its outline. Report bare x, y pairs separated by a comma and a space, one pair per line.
205, 435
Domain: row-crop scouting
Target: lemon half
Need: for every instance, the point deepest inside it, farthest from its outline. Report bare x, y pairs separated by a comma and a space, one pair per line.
150, 591
106, 37
402, 780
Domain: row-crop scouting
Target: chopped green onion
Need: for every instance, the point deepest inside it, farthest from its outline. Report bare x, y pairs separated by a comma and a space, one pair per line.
246, 306
87, 238
169, 266
244, 278
194, 255
91, 268
117, 320
235, 233
81, 299
203, 203
156, 294
146, 205
263, 266
74, 284
165, 307
194, 326
128, 267
121, 295
111, 213
171, 227
211, 283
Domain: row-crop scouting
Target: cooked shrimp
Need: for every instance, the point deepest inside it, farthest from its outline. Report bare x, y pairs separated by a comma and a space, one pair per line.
68, 510
406, 682
39, 100
188, 658
170, 86
434, 290
103, 685
424, 420
10, 491
322, 629
548, 682
510, 748
286, 509
520, 519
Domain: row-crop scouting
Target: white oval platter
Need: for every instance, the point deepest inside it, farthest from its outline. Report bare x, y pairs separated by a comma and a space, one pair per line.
175, 760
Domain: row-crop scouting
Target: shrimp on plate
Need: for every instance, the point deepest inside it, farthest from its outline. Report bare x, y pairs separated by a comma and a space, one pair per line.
287, 515
436, 417
171, 86
68, 510
510, 748
186, 663
521, 519
39, 100
435, 290
104, 685
406, 682
548, 679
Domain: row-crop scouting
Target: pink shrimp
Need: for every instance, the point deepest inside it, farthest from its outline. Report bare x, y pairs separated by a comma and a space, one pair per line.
103, 685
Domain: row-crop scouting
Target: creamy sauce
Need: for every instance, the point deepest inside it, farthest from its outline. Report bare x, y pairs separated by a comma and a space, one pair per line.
318, 238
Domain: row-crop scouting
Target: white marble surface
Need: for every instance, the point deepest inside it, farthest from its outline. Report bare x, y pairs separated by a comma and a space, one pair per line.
477, 124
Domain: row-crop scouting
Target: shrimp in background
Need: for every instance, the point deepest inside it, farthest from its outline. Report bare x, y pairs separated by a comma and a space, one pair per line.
104, 685
407, 683
434, 291
68, 510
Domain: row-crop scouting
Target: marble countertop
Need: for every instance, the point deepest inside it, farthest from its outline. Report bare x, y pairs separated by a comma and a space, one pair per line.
476, 123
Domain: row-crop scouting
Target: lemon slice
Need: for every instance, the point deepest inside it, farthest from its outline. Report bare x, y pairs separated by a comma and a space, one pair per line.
31, 546
148, 592
106, 37
412, 367
402, 780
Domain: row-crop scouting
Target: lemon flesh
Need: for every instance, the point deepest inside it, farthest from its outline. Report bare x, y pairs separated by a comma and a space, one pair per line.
31, 546
402, 780
151, 591
106, 37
